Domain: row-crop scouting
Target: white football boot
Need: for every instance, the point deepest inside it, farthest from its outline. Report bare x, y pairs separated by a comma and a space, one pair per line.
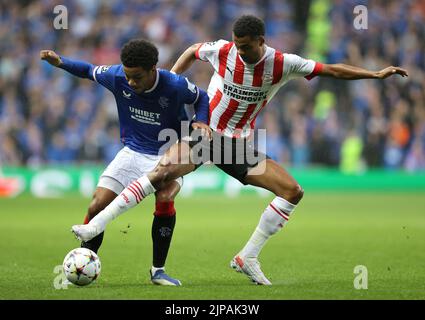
85, 232
251, 267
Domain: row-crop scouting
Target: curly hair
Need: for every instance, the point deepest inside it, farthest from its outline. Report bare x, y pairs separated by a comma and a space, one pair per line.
249, 25
139, 53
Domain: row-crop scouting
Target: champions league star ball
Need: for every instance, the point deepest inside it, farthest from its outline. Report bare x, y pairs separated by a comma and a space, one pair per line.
81, 266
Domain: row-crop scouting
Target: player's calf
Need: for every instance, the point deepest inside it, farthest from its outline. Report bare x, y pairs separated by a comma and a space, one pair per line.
292, 193
274, 217
162, 231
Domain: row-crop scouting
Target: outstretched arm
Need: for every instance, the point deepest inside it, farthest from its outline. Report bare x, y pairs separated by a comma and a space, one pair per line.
186, 59
78, 68
347, 72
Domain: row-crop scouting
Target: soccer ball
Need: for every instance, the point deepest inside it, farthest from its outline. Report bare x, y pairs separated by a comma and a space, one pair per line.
81, 266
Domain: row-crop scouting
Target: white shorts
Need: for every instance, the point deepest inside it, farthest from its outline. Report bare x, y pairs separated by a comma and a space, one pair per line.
127, 166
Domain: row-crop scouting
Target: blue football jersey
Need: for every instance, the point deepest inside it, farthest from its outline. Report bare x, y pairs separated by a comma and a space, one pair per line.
143, 116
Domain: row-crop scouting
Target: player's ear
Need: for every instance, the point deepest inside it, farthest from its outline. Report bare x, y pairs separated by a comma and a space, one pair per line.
261, 40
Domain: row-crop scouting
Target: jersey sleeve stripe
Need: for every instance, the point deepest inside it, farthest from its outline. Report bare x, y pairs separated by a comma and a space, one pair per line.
94, 73
317, 69
277, 67
222, 58
197, 95
197, 52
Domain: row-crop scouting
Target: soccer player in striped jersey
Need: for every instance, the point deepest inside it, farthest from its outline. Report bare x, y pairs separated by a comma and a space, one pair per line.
148, 100
247, 74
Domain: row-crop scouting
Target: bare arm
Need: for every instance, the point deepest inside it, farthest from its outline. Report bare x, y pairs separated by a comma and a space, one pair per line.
186, 59
344, 71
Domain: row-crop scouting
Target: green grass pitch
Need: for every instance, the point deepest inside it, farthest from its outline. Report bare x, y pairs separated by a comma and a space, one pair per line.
312, 258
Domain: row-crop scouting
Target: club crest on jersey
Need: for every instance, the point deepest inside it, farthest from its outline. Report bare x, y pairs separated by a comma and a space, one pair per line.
101, 69
126, 95
163, 102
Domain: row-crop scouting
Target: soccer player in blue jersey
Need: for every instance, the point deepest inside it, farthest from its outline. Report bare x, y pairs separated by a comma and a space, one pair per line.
148, 101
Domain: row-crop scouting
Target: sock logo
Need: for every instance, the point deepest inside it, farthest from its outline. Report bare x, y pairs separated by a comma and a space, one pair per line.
165, 232
125, 198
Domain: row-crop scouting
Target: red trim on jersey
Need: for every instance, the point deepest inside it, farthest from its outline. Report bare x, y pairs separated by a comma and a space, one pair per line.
222, 58
197, 52
257, 81
215, 101
277, 67
227, 114
239, 71
317, 69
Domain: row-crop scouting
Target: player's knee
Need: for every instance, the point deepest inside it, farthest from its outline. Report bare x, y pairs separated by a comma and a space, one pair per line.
293, 193
162, 174
164, 209
165, 196
296, 193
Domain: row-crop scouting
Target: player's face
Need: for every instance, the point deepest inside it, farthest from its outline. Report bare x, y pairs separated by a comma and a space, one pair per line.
140, 79
250, 49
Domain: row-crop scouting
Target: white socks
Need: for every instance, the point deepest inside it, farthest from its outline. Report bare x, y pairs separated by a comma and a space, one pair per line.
272, 220
127, 199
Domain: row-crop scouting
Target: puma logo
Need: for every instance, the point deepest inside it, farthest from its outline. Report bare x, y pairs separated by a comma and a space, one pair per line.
231, 72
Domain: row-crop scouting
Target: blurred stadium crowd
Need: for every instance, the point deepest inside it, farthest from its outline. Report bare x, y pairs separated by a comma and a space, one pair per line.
48, 116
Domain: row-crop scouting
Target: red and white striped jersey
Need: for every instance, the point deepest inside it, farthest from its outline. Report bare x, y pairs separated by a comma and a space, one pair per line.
238, 91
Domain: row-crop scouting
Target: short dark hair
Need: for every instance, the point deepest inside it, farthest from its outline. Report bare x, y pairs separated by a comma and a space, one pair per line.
249, 25
139, 53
